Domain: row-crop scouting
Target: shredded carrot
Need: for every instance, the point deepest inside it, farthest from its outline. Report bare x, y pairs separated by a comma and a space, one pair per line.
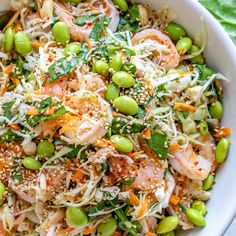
79, 199
14, 126
117, 233
133, 198
88, 231
49, 111
68, 163
36, 44
68, 128
103, 143
150, 234
95, 173
90, 44
8, 69
18, 27
38, 92
32, 112
92, 203
77, 176
147, 133
174, 147
16, 81
174, 199
62, 230
142, 208
184, 107
223, 132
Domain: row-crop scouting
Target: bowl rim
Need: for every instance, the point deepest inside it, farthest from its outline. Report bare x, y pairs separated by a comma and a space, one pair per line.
230, 48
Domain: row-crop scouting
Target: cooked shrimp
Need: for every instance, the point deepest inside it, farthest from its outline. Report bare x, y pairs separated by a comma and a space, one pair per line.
82, 33
166, 55
3, 232
149, 175
60, 87
194, 165
57, 88
49, 183
91, 82
90, 118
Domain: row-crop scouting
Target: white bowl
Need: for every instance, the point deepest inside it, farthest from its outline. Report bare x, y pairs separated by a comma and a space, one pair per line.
221, 56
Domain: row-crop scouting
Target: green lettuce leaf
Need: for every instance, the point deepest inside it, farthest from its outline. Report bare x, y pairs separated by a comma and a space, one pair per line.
225, 12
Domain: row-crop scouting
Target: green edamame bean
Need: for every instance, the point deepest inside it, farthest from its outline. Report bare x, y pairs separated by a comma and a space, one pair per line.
123, 79
72, 48
175, 31
183, 45
126, 105
199, 206
102, 68
198, 59
31, 163
60, 33
216, 110
116, 62
222, 149
45, 149
73, 1
108, 227
171, 233
2, 190
9, 36
121, 143
167, 224
208, 182
112, 92
76, 216
22, 43
203, 128
196, 217
122, 4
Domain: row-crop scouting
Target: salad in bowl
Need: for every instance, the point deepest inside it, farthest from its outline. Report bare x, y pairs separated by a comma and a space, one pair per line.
110, 121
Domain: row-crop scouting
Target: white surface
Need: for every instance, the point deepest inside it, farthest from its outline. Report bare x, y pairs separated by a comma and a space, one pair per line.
232, 229
221, 56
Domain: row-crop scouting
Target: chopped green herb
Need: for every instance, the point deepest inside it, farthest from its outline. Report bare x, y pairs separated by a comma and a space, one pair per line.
158, 143
83, 19
121, 125
7, 109
204, 72
32, 121
130, 21
99, 28
45, 104
9, 136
